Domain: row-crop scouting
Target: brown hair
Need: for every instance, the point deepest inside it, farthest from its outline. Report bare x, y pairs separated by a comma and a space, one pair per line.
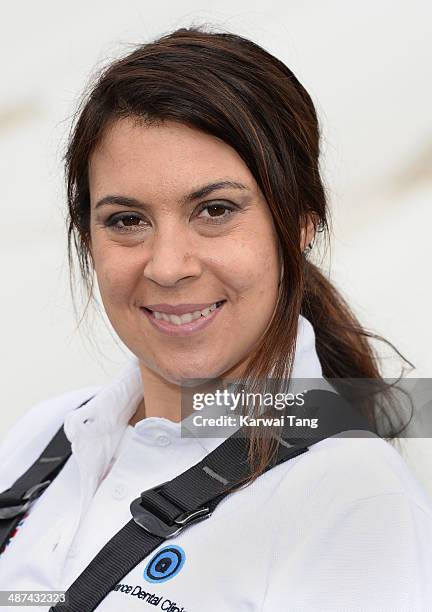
230, 87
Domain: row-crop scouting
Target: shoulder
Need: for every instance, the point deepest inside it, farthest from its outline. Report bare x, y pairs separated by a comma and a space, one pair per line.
29, 435
353, 521
340, 470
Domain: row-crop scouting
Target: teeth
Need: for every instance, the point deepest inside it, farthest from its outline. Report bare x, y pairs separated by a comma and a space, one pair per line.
187, 317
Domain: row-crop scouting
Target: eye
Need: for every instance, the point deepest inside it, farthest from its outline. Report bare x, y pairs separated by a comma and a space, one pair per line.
128, 221
218, 212
215, 209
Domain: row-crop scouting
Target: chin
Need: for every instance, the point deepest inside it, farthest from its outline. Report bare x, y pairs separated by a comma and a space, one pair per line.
189, 377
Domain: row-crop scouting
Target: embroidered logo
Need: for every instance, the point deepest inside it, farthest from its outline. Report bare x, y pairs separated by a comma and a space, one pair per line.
165, 564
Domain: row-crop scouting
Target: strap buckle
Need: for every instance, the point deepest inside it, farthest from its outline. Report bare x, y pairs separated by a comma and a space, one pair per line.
28, 498
156, 526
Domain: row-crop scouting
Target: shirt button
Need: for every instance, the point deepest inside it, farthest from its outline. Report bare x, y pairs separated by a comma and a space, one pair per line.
163, 440
119, 491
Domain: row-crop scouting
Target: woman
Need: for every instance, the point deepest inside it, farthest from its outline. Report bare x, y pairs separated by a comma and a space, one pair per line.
195, 196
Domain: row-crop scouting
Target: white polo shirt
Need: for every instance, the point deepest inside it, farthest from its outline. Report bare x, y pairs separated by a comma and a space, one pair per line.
342, 527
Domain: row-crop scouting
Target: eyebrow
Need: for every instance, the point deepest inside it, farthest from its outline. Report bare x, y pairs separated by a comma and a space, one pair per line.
188, 198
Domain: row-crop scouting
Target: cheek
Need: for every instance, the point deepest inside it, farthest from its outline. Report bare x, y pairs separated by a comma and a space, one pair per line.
256, 266
116, 276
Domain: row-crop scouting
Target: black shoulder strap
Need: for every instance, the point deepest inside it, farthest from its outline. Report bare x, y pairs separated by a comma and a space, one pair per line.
15, 501
165, 510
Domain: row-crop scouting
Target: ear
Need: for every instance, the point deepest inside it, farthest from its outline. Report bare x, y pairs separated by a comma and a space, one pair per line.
307, 232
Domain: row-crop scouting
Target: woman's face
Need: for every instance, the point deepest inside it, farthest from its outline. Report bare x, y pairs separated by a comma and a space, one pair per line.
156, 240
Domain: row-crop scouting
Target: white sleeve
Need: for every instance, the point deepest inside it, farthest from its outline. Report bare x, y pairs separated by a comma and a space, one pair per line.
372, 554
30, 434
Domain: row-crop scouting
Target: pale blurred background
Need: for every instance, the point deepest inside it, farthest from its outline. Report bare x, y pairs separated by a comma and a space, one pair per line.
367, 67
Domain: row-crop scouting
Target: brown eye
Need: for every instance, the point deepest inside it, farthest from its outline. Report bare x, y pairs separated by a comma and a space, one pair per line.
214, 208
216, 212
128, 222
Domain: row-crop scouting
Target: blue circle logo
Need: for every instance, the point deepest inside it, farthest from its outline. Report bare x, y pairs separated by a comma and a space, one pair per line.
165, 564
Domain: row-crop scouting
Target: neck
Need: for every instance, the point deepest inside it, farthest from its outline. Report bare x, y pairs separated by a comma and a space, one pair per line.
162, 398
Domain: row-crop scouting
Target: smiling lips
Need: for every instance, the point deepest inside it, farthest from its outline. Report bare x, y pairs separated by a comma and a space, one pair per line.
179, 309
186, 323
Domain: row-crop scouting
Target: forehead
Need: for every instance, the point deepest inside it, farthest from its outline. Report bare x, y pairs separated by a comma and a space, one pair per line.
167, 155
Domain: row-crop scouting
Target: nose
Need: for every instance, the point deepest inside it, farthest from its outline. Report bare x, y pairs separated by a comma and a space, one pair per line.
172, 257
